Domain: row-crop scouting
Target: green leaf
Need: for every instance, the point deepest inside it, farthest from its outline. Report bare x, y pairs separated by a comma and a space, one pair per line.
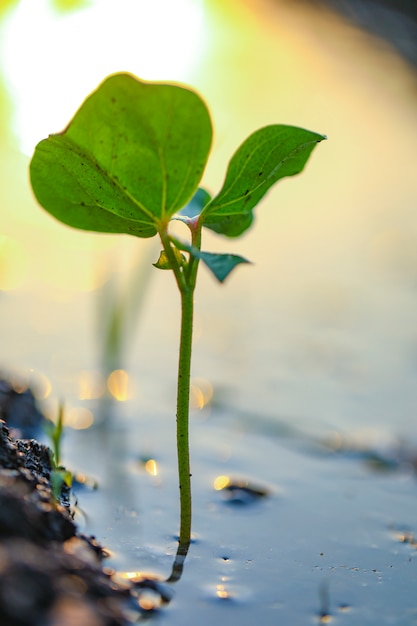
221, 264
60, 477
131, 157
269, 154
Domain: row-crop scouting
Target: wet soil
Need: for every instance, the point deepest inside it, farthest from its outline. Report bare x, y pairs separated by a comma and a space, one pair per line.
50, 573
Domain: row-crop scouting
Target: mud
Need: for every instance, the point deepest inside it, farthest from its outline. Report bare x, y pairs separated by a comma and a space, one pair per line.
49, 573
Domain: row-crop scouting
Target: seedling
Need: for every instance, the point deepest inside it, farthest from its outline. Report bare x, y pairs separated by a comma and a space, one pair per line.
130, 161
59, 475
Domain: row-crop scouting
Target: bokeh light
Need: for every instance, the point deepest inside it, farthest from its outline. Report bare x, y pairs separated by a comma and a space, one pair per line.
78, 418
221, 482
151, 466
201, 393
118, 384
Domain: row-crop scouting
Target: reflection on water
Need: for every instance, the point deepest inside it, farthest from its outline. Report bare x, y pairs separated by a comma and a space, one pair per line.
151, 467
150, 592
239, 491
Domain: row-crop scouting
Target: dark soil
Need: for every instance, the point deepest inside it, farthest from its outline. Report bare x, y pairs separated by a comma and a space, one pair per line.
50, 574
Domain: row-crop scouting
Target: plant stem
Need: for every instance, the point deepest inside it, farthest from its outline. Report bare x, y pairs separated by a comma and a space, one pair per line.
186, 286
183, 403
183, 394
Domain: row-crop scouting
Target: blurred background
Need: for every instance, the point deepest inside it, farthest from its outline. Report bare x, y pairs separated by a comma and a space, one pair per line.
321, 329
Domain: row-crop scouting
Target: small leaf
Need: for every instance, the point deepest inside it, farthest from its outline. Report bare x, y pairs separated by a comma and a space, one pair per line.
132, 156
219, 264
60, 477
222, 264
163, 263
269, 154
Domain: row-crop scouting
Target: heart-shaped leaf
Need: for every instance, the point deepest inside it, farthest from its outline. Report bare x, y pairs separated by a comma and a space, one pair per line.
132, 156
269, 154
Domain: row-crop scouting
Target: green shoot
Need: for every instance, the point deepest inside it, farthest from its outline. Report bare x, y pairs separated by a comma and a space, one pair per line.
131, 161
59, 475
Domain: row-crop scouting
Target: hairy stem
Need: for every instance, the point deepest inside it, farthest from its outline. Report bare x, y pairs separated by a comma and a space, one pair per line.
183, 403
186, 284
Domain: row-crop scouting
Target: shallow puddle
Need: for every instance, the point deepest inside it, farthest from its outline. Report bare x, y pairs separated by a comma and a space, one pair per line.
317, 536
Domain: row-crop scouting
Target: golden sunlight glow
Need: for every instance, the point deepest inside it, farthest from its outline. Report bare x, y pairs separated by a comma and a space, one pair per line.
201, 393
130, 575
221, 592
221, 482
78, 418
146, 603
149, 600
118, 385
406, 537
151, 467
160, 40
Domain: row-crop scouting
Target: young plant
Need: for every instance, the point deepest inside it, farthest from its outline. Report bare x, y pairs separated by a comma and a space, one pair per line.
59, 475
131, 161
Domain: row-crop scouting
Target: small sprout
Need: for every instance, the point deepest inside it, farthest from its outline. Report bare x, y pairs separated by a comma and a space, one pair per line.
55, 430
130, 162
60, 476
